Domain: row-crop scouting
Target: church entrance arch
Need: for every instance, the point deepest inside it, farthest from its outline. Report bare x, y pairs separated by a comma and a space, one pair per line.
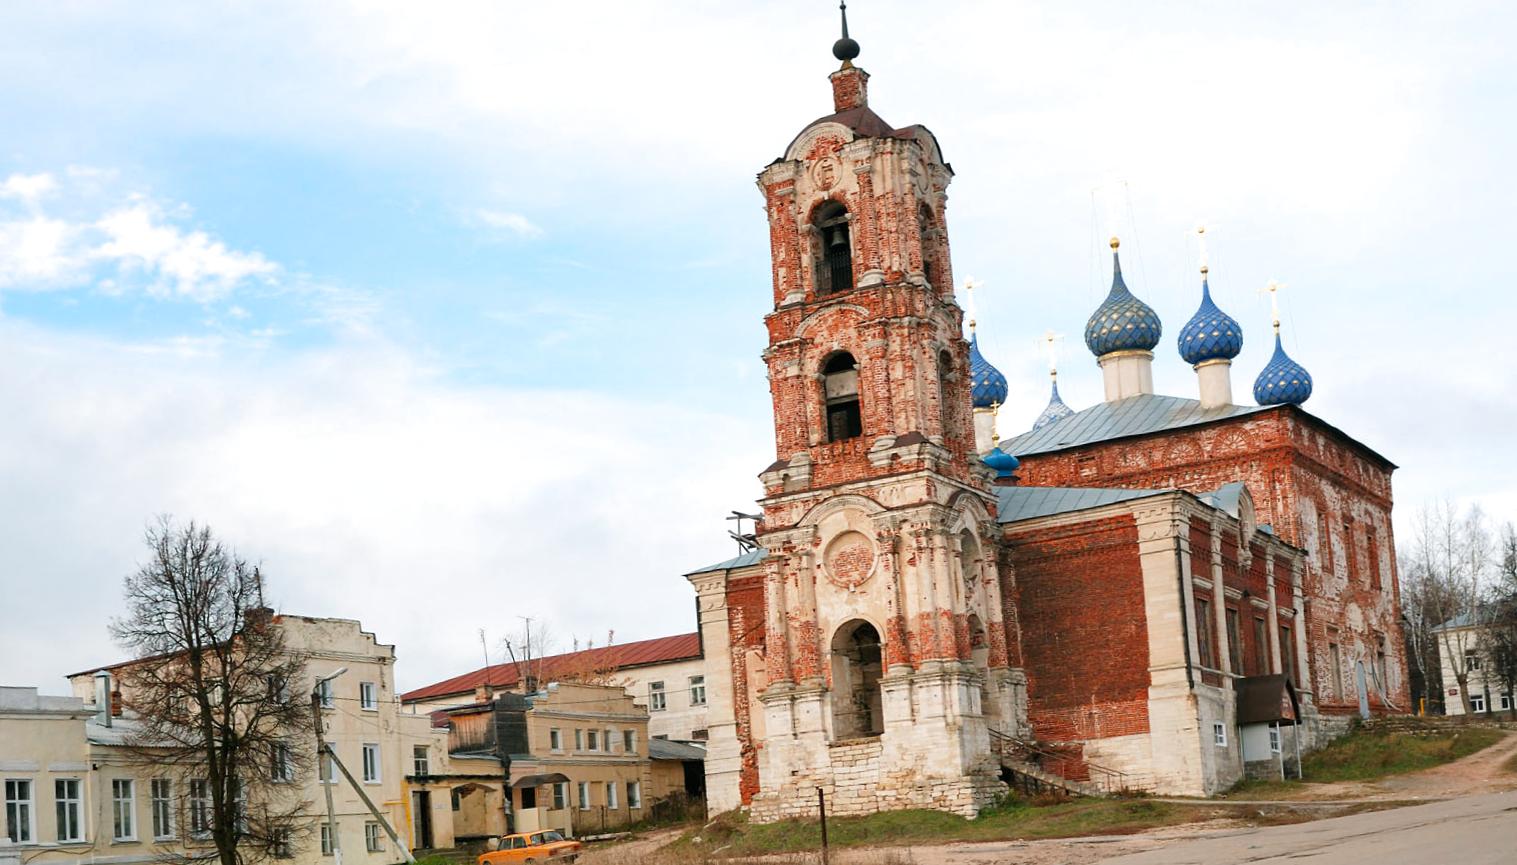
856, 671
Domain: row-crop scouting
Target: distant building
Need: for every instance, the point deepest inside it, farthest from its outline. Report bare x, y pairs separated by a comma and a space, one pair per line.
666, 676
1462, 637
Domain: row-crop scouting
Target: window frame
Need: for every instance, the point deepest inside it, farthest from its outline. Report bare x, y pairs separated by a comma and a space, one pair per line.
560, 795
326, 838
373, 772
658, 698
368, 696
1274, 738
634, 795
592, 741
611, 799
373, 837
1219, 734
281, 763
583, 792
201, 808
327, 694
1206, 649
629, 741
61, 803
161, 803
123, 809
698, 690
421, 761
16, 806
555, 739
1477, 703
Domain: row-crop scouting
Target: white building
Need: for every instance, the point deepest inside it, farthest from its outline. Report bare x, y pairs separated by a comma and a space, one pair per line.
1460, 646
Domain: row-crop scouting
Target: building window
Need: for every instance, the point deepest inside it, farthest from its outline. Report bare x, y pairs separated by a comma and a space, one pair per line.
1287, 653
123, 809
1477, 703
832, 249
634, 794
456, 799
528, 796
326, 839
281, 763
584, 795
700, 735
609, 738
657, 699
161, 791
372, 840
840, 395
279, 842
1261, 654
579, 740
1505, 702
1219, 734
611, 795
370, 763
368, 697
1234, 641
19, 819
1274, 738
593, 739
66, 795
200, 808
697, 690
1203, 634
560, 795
1471, 659
1335, 658
324, 690
555, 740
856, 671
1374, 545
629, 741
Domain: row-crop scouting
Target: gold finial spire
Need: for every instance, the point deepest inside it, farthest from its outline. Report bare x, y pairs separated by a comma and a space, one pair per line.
1050, 342
970, 284
1115, 243
1273, 288
1201, 242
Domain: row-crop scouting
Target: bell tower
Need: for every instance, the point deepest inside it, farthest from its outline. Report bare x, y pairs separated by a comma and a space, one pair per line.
884, 644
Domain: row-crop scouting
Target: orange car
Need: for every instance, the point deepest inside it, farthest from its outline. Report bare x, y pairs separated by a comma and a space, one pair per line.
532, 847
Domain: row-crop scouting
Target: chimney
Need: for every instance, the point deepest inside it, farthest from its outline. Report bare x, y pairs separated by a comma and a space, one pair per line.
481, 693
116, 703
103, 694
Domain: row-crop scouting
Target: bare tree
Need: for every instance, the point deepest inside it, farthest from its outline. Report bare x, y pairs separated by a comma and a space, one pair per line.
215, 694
1451, 556
1499, 637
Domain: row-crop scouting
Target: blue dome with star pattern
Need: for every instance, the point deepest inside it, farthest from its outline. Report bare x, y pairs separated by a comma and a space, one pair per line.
1283, 381
1211, 334
1122, 322
1056, 409
987, 387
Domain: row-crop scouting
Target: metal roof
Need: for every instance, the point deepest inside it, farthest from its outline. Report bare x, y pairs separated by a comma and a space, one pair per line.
1136, 415
743, 561
682, 647
663, 749
1025, 503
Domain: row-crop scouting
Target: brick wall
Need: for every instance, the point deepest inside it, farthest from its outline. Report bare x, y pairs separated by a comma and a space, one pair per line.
1084, 639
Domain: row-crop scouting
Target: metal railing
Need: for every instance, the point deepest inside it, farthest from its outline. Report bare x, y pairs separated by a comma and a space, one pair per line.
1103, 778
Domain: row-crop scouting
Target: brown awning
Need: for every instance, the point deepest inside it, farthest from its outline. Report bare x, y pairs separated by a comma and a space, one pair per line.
540, 780
1265, 699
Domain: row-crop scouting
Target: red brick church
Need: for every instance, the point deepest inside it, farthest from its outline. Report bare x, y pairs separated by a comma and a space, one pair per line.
1158, 592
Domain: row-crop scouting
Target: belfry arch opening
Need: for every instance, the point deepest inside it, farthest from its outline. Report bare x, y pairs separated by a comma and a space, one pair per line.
945, 393
832, 250
926, 232
856, 669
840, 395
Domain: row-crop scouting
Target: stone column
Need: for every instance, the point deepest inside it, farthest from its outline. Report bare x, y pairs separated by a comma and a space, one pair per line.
1225, 660
724, 761
1272, 619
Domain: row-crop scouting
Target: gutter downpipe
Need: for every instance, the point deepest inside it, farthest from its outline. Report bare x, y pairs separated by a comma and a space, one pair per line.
1190, 679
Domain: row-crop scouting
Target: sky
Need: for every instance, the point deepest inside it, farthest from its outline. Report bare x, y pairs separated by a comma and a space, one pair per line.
450, 314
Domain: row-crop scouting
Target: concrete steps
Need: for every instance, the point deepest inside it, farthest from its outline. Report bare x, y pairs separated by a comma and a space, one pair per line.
1032, 779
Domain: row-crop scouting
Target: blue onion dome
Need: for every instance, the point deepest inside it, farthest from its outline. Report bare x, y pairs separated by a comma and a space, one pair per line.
987, 387
1121, 322
1283, 380
1211, 334
1056, 410
1002, 462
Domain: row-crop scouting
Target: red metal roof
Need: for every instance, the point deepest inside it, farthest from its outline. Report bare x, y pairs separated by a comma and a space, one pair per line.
641, 653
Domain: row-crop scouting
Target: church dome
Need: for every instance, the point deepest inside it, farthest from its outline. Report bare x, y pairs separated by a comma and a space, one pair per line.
1002, 462
1283, 381
1055, 411
987, 387
1211, 334
1122, 322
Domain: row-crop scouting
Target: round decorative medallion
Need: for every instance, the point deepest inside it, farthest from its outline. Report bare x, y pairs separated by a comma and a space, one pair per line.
849, 560
826, 171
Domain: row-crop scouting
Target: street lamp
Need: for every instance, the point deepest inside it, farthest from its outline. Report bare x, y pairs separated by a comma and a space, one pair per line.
321, 755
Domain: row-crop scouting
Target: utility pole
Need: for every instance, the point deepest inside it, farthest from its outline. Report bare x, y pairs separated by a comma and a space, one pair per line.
321, 751
373, 809
821, 807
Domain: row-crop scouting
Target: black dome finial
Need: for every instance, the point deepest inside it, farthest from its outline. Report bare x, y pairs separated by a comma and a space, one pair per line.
845, 49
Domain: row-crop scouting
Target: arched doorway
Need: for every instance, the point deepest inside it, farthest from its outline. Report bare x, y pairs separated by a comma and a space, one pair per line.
856, 671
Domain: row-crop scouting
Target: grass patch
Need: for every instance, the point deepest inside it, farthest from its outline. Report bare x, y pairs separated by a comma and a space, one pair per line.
1364, 756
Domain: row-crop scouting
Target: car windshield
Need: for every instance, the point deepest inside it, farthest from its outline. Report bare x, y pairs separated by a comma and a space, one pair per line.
548, 837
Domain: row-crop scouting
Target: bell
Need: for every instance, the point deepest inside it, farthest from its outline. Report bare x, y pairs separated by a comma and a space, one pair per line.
838, 238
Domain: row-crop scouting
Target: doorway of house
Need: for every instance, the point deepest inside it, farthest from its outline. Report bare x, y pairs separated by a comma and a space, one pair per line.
421, 819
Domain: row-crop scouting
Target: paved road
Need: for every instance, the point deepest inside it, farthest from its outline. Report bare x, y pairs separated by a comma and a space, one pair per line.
1473, 830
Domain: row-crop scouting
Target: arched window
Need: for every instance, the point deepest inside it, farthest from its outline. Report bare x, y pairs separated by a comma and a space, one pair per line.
945, 393
833, 250
925, 226
840, 390
856, 671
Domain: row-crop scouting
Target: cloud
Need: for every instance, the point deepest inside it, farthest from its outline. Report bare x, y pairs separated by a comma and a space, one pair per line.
184, 263
367, 486
514, 223
132, 243
28, 188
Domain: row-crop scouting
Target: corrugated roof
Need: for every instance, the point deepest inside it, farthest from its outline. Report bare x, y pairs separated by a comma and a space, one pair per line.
743, 561
1025, 503
663, 749
656, 651
1136, 415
